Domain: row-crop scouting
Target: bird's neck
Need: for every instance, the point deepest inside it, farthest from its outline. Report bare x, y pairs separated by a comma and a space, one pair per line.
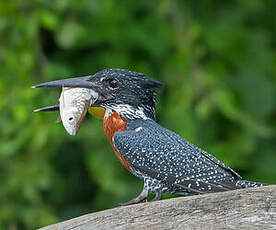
116, 118
113, 123
130, 112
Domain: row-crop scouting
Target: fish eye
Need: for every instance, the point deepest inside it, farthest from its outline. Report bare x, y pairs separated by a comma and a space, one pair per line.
71, 118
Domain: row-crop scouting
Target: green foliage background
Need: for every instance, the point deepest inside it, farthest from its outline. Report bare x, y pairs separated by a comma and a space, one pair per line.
216, 58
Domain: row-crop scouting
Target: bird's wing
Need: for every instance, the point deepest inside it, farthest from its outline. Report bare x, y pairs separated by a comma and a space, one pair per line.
164, 155
197, 151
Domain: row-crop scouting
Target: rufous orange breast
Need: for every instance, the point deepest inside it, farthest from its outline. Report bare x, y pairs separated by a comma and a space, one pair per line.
112, 124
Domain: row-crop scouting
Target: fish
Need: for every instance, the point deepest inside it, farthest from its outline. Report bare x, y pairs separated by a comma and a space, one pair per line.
73, 106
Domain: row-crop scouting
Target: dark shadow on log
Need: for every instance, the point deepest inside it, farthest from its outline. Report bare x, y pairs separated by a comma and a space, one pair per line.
253, 208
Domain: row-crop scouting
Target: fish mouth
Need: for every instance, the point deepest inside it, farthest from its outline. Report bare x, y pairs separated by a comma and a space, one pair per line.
76, 82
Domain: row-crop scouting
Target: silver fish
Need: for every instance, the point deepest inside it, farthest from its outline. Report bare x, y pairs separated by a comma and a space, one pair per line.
73, 105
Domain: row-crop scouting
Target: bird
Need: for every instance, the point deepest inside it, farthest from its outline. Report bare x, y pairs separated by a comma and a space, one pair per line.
165, 161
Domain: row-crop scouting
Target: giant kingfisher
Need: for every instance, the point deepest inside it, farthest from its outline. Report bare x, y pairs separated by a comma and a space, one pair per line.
164, 160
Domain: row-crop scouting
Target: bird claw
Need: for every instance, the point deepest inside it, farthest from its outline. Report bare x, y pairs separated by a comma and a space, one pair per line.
133, 201
141, 198
157, 196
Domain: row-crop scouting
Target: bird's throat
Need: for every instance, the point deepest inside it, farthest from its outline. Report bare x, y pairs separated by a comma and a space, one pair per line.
112, 124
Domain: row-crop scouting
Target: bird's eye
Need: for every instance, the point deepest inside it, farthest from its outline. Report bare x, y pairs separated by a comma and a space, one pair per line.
112, 83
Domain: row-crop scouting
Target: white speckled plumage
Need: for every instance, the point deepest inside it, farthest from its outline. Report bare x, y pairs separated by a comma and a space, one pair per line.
171, 164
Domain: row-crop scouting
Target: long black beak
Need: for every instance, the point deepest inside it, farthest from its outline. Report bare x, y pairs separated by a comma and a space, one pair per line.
69, 82
48, 108
83, 82
75, 82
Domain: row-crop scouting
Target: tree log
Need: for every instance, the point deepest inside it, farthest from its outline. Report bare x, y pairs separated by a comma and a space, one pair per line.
253, 208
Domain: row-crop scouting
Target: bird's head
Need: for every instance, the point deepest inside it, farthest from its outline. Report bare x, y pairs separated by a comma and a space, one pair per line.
130, 94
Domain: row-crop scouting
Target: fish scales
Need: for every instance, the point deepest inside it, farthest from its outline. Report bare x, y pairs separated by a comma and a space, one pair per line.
73, 103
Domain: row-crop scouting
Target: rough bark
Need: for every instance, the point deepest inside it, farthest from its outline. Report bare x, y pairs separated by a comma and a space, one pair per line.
253, 208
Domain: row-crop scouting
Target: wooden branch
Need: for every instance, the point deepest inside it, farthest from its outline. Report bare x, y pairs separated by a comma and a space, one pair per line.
253, 208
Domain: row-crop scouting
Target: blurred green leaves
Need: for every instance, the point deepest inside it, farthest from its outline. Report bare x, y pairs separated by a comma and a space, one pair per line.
216, 58
68, 34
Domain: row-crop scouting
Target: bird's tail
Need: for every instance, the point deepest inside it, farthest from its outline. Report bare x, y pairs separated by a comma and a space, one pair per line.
248, 184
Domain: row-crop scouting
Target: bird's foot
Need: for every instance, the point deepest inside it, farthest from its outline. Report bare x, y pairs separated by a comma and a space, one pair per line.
141, 198
133, 201
157, 196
